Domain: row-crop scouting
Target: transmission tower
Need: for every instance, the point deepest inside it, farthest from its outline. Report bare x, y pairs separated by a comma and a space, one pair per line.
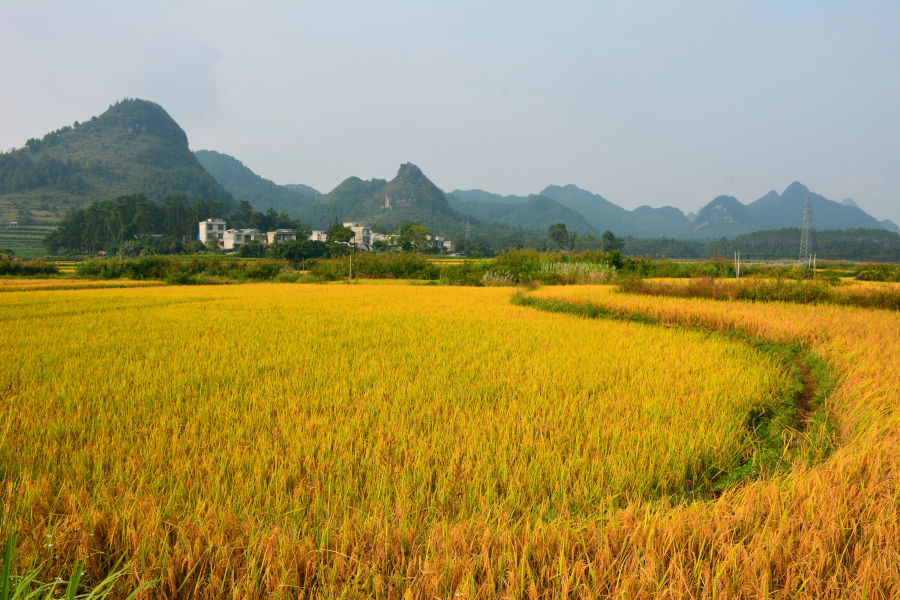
805, 241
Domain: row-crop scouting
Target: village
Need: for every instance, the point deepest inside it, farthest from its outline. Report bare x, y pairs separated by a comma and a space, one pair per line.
363, 238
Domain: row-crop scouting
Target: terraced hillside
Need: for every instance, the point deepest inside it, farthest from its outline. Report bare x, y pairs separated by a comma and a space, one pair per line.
24, 240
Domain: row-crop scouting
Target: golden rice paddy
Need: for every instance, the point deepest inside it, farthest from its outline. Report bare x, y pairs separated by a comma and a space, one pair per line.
416, 441
36, 285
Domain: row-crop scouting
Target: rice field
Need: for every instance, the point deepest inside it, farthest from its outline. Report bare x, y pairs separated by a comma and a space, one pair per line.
364, 441
826, 531
38, 284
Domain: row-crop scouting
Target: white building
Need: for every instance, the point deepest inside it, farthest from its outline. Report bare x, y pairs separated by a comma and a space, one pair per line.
318, 236
235, 238
211, 228
281, 235
361, 234
439, 242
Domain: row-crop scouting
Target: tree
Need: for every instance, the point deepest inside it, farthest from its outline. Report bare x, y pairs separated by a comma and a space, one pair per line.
242, 217
573, 235
610, 243
587, 242
412, 236
298, 250
559, 234
251, 248
337, 233
25, 217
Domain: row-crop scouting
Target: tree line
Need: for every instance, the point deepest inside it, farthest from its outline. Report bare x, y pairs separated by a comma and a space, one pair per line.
169, 226
773, 244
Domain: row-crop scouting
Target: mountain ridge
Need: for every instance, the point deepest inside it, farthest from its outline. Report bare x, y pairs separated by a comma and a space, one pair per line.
134, 146
777, 211
537, 212
244, 184
382, 204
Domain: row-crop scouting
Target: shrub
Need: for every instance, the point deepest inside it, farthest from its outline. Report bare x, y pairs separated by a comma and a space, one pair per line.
370, 265
878, 273
19, 267
178, 271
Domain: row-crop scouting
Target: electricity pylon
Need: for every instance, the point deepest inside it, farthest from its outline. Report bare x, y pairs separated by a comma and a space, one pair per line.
805, 240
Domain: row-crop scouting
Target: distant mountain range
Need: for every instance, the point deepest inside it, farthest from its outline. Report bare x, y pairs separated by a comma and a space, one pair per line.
535, 212
592, 212
726, 216
723, 216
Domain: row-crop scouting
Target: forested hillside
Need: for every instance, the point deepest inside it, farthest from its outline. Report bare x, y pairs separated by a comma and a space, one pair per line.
537, 212
261, 193
135, 146
381, 204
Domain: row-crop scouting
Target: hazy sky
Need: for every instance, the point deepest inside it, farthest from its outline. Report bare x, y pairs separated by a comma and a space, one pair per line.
644, 103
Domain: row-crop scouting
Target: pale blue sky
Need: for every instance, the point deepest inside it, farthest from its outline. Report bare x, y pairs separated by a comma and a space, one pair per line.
668, 103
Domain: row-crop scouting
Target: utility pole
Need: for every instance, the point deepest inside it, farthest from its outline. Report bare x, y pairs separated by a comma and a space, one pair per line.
805, 241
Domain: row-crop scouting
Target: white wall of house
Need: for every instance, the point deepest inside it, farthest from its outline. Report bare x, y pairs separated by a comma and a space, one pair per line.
361, 234
212, 228
235, 238
281, 235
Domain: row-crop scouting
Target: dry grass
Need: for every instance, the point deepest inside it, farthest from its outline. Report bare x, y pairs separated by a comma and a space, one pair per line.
376, 441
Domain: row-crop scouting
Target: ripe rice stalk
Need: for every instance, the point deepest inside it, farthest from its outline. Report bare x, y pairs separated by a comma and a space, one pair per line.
375, 441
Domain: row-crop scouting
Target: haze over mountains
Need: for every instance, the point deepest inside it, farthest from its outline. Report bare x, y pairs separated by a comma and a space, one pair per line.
135, 146
723, 216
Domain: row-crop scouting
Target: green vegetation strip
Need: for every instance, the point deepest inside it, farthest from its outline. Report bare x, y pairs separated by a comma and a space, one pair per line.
794, 429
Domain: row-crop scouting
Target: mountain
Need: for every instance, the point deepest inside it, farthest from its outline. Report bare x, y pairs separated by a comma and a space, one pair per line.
691, 216
765, 202
482, 196
304, 189
536, 212
135, 146
777, 211
725, 215
382, 204
890, 226
849, 202
827, 214
244, 184
643, 221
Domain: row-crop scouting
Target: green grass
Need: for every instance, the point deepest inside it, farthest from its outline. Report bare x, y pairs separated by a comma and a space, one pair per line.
28, 587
